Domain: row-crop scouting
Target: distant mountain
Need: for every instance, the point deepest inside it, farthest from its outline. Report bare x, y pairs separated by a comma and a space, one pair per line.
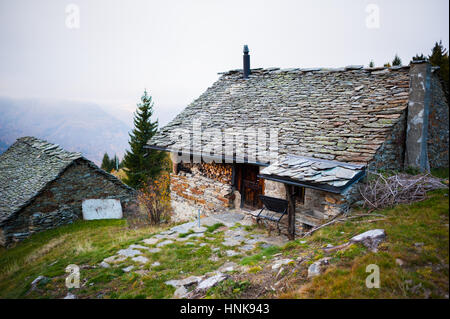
75, 126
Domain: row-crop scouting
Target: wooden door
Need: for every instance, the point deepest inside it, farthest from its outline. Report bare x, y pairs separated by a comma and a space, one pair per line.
251, 186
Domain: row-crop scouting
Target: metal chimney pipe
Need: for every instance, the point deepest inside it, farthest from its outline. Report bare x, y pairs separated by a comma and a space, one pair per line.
246, 62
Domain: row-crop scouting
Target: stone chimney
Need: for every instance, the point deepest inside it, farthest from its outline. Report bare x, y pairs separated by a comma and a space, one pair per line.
416, 153
246, 62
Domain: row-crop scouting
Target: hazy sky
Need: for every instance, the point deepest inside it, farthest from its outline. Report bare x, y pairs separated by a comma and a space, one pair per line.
175, 48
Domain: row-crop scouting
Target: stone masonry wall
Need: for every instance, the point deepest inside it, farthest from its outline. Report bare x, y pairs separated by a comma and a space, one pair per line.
60, 203
438, 131
193, 188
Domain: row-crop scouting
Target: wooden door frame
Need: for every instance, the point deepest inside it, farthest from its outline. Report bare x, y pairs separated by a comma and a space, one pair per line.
238, 178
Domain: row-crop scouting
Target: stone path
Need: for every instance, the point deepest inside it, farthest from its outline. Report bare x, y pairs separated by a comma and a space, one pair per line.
236, 239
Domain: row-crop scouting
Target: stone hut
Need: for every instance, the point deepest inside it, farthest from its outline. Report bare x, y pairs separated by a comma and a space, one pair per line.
317, 132
42, 186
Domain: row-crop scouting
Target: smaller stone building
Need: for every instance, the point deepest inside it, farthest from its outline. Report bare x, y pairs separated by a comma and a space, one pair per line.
42, 186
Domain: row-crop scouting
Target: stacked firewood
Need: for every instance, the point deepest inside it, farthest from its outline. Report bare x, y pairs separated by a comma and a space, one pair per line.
219, 172
381, 191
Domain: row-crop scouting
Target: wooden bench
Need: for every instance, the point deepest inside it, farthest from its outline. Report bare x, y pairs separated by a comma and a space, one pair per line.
275, 209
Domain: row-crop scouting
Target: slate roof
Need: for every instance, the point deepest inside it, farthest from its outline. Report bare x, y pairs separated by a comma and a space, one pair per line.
312, 172
28, 166
342, 114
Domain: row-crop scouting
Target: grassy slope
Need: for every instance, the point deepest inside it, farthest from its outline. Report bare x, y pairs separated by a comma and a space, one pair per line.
424, 273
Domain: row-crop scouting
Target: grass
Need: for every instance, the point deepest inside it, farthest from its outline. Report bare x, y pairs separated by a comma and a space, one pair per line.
417, 234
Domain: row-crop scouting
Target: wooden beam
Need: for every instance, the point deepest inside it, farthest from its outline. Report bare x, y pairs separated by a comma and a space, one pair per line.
291, 211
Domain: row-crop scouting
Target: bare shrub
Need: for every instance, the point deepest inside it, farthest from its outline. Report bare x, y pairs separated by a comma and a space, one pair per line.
381, 191
154, 198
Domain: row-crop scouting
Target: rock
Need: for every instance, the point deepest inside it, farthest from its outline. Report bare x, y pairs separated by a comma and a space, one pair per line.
211, 281
156, 263
70, 296
36, 281
314, 269
203, 244
371, 238
180, 292
114, 259
154, 250
231, 253
399, 262
127, 269
186, 282
200, 229
281, 262
140, 259
195, 235
134, 246
128, 252
104, 264
247, 247
164, 243
151, 241
228, 266
418, 244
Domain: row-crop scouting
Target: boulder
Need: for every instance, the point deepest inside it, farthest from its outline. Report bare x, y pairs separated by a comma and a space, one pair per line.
211, 281
371, 238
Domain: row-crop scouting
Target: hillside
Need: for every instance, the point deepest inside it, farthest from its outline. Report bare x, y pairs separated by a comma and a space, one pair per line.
76, 126
413, 259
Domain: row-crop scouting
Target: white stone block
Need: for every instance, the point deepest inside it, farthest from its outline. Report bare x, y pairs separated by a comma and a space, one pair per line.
101, 209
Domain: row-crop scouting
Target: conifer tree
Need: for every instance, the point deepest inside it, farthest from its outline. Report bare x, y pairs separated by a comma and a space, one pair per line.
439, 57
140, 163
106, 163
397, 61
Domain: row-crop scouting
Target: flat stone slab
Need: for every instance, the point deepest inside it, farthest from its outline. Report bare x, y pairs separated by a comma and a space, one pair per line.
229, 219
128, 252
227, 267
154, 250
151, 241
140, 259
164, 243
156, 263
134, 246
104, 264
114, 259
195, 235
247, 247
211, 281
184, 228
127, 269
184, 282
231, 253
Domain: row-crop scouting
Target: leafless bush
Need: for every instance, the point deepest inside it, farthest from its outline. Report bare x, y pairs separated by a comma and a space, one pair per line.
381, 191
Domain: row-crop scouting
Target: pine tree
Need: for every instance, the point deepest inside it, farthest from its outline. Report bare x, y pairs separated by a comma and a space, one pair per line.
371, 64
439, 57
142, 164
397, 61
420, 57
106, 163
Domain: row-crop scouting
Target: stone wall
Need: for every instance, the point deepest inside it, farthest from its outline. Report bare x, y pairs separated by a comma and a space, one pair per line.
60, 202
196, 187
390, 155
438, 119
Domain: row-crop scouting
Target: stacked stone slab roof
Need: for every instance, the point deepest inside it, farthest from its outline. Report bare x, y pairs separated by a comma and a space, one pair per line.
342, 114
28, 166
314, 172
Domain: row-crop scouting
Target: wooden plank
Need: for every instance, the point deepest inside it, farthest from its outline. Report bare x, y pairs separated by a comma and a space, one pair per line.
291, 211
